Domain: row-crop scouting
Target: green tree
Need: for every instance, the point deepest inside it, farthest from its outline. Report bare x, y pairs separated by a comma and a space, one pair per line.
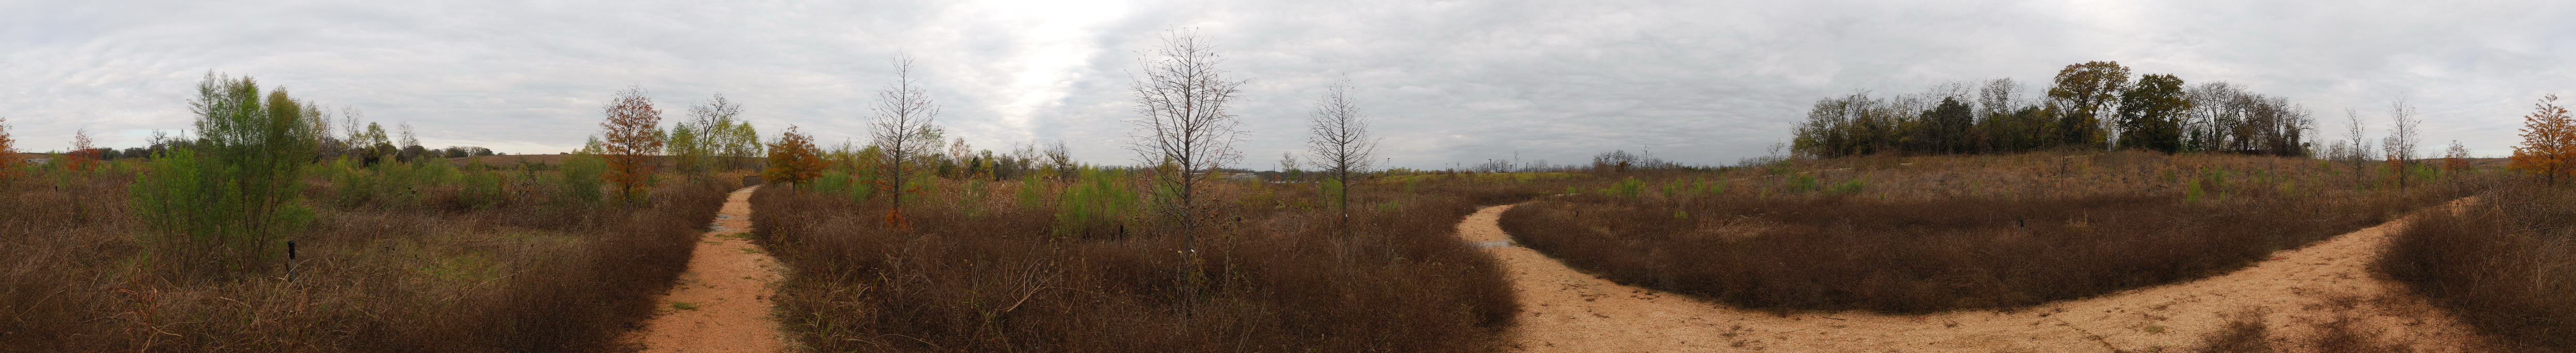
220, 205
736, 144
688, 155
1946, 126
696, 143
2085, 91
2151, 114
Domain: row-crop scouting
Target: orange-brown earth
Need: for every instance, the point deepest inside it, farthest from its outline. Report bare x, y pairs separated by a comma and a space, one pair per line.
1564, 310
721, 304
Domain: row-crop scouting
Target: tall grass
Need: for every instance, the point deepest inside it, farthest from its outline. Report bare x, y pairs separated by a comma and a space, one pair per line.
2506, 265
1950, 233
1049, 269
446, 274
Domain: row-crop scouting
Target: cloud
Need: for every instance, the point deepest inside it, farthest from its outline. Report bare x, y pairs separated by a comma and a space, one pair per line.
1697, 81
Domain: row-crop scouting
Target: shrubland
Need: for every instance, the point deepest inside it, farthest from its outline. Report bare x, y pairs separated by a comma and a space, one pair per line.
426, 258
2505, 264
1078, 263
262, 233
1925, 234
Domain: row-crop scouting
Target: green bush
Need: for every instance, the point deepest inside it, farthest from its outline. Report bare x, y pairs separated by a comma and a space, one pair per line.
223, 204
581, 180
1846, 188
483, 188
1097, 201
1802, 182
1626, 188
1332, 191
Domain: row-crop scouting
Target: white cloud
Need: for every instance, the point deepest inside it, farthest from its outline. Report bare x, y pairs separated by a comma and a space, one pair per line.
1702, 82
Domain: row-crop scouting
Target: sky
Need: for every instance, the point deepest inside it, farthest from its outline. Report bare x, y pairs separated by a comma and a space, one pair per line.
1698, 82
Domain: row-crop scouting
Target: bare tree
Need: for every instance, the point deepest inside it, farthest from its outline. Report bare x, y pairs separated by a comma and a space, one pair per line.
1061, 158
410, 142
1338, 137
1998, 96
901, 129
1182, 125
1182, 128
2358, 152
2400, 144
1287, 162
697, 142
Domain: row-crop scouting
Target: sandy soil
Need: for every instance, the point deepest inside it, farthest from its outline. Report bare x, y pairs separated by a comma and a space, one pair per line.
1568, 311
726, 290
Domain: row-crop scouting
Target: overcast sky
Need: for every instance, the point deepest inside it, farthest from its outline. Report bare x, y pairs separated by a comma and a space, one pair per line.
1701, 82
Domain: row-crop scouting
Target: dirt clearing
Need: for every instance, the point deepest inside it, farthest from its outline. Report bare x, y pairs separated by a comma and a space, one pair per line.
2296, 291
721, 304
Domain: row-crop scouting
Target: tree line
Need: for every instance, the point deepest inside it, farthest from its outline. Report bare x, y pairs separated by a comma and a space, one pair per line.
2094, 105
369, 142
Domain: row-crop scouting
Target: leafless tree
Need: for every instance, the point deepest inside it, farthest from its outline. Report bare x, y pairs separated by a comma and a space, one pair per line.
1182, 128
1340, 144
2400, 144
1061, 159
408, 138
2214, 113
2357, 154
901, 128
1182, 125
1998, 96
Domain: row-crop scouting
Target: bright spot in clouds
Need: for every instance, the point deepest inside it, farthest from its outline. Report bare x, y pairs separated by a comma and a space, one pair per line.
1703, 82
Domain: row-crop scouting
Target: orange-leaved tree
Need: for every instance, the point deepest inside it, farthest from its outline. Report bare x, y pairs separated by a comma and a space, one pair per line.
2455, 159
84, 156
8, 151
793, 158
2548, 141
633, 136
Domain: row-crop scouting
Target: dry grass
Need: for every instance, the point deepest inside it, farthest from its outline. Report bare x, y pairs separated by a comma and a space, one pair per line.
994, 273
1948, 233
434, 276
2506, 266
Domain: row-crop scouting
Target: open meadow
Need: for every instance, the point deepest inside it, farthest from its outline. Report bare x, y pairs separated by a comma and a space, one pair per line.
1050, 177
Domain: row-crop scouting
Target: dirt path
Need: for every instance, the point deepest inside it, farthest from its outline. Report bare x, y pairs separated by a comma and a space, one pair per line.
721, 304
1568, 311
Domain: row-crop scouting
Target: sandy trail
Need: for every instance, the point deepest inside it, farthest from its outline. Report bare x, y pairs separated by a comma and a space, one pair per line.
1568, 311
721, 304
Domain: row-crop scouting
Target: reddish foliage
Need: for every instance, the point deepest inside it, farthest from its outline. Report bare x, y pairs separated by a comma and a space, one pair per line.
793, 159
8, 151
633, 137
84, 156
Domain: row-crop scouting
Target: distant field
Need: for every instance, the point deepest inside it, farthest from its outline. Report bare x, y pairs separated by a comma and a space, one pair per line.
542, 159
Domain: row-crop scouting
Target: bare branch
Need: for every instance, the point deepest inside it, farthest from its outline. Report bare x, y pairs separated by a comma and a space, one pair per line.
902, 128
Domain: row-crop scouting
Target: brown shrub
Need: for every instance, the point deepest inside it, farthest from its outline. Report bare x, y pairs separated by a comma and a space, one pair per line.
1941, 234
519, 277
993, 275
2506, 265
